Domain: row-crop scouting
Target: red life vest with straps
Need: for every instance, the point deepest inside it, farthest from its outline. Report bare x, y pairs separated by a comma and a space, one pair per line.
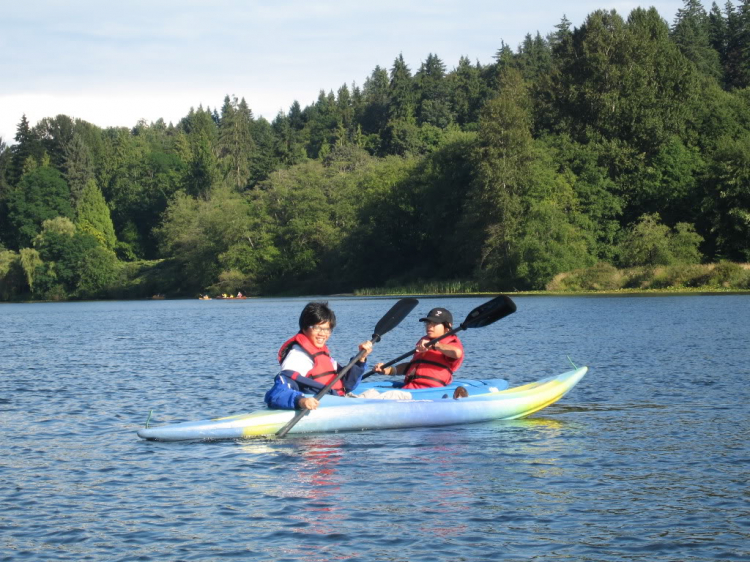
322, 371
431, 368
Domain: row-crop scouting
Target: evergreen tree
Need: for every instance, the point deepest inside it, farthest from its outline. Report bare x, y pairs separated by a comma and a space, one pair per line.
285, 148
55, 135
27, 147
524, 211
467, 91
744, 44
691, 32
4, 191
432, 88
322, 124
358, 107
79, 167
534, 57
296, 120
717, 35
726, 202
203, 169
235, 140
737, 65
264, 159
624, 81
402, 91
345, 111
376, 95
93, 215
562, 33
4, 161
503, 158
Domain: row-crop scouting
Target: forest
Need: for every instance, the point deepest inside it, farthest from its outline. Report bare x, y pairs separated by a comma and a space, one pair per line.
623, 142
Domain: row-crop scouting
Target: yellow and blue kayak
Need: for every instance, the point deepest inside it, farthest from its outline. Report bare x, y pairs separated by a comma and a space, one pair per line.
487, 400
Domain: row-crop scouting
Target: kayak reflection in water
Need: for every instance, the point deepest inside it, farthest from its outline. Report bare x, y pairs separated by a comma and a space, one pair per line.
307, 366
432, 366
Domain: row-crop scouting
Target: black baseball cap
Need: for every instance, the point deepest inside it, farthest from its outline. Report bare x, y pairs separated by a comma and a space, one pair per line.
438, 316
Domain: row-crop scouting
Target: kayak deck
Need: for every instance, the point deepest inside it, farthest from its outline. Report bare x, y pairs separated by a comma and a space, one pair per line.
337, 413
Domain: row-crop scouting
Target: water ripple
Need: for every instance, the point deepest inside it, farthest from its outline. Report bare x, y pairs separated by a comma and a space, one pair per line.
645, 460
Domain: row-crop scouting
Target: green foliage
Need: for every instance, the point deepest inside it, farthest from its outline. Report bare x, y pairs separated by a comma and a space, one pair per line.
623, 80
691, 33
422, 287
467, 91
600, 277
94, 217
550, 244
605, 277
649, 242
402, 92
40, 195
235, 140
684, 243
28, 148
726, 200
498, 176
12, 278
728, 274
73, 263
503, 162
231, 282
79, 167
30, 260
202, 235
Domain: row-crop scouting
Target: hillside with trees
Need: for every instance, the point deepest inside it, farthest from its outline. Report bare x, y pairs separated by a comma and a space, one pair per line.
623, 142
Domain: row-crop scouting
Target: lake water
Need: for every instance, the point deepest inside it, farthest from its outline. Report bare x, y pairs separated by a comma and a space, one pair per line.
646, 459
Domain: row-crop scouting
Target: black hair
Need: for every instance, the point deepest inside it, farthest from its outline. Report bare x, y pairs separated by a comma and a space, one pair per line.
316, 313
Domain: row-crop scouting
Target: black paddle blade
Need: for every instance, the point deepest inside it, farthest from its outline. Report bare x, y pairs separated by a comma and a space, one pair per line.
492, 311
393, 317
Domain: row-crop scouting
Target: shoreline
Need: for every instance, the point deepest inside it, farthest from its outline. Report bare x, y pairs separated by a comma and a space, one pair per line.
603, 293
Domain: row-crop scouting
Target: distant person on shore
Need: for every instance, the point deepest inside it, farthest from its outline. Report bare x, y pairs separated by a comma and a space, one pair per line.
307, 366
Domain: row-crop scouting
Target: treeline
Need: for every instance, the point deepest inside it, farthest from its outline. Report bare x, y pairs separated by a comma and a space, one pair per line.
625, 141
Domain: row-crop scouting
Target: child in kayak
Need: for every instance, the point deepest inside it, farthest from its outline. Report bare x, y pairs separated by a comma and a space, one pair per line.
306, 363
435, 365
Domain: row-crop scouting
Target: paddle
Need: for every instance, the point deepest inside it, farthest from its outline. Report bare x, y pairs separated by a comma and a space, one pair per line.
483, 315
392, 318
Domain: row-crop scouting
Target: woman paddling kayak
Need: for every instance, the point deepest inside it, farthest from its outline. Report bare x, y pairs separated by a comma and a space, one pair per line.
432, 366
306, 363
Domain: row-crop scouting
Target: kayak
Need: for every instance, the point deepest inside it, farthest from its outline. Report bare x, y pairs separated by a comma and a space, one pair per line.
438, 393
487, 400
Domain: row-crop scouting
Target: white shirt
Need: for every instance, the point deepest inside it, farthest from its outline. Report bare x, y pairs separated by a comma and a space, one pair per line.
299, 361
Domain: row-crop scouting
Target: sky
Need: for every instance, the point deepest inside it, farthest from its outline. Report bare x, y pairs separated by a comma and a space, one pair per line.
113, 64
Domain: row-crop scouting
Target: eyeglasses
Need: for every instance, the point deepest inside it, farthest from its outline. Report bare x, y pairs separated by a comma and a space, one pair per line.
320, 330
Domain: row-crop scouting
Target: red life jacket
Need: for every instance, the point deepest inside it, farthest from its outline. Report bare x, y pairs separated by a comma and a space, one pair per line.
322, 371
431, 368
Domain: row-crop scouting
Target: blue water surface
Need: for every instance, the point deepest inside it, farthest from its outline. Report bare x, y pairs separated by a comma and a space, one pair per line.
646, 459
